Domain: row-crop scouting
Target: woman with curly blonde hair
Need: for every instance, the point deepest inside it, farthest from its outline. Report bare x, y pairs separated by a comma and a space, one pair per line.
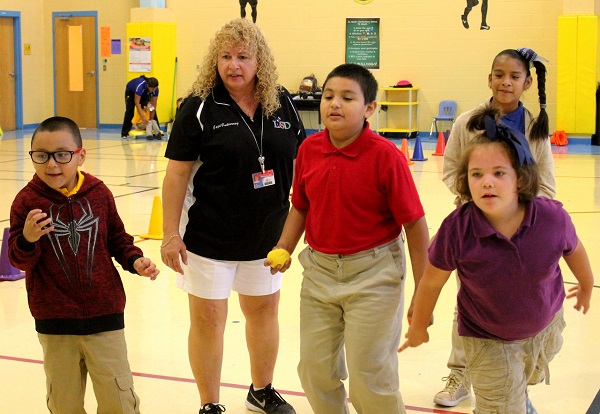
231, 161
237, 32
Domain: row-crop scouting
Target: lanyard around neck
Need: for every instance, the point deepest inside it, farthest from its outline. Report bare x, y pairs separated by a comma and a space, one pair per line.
261, 158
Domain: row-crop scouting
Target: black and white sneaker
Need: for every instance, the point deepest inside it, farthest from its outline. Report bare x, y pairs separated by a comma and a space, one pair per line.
212, 409
267, 401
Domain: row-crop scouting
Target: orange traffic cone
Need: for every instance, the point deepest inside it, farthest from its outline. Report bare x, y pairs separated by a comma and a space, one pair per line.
405, 151
155, 230
7, 270
441, 145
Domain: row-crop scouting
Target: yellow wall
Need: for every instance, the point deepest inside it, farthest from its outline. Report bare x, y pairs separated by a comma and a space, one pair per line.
424, 43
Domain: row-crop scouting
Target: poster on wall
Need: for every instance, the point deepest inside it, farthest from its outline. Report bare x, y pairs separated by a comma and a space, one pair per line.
362, 41
140, 59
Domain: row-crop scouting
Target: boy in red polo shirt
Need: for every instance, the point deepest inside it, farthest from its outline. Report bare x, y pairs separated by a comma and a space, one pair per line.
353, 194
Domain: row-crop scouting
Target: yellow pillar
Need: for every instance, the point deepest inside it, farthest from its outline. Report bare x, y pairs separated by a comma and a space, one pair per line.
577, 73
156, 24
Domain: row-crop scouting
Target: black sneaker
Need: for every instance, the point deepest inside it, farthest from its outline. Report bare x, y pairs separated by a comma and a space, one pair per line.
267, 401
212, 409
484, 26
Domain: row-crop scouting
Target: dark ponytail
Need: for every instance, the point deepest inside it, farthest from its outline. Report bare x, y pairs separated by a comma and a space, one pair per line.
477, 121
539, 127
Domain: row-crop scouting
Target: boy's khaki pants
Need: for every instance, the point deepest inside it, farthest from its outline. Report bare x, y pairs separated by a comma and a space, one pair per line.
69, 358
351, 311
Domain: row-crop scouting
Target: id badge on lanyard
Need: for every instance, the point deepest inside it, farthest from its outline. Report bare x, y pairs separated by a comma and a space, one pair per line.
263, 179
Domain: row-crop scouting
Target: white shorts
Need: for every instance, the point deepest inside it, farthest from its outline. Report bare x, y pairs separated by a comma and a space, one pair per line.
215, 279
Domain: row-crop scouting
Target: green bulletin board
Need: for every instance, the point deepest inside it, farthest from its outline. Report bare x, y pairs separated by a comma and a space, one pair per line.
362, 41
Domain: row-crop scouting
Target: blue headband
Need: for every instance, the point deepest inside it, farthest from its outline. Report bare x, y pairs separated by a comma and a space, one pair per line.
500, 132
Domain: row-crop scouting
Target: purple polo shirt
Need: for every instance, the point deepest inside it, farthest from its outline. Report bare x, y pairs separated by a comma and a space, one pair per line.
510, 289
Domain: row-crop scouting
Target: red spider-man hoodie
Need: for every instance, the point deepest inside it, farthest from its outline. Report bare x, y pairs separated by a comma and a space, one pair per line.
73, 286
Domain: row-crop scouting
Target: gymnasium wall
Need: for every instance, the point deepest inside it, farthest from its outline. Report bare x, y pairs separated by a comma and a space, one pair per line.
422, 41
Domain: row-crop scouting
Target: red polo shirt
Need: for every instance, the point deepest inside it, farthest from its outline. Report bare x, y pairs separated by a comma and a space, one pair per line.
356, 197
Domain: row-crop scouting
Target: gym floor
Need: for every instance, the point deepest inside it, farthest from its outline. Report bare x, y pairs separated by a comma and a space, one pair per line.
157, 312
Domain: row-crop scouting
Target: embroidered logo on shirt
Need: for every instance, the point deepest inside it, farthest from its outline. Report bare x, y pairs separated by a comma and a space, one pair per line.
225, 125
279, 124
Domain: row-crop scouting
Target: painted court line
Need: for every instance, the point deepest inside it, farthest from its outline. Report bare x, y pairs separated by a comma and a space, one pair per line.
227, 385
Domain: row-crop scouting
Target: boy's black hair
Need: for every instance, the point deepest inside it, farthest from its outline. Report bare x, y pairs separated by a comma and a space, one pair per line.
60, 123
152, 82
357, 73
539, 127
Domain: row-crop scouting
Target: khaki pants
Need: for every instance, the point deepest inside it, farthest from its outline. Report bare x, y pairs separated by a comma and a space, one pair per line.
69, 358
457, 361
500, 371
354, 304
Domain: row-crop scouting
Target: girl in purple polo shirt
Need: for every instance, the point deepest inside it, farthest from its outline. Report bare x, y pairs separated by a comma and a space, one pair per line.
509, 78
510, 302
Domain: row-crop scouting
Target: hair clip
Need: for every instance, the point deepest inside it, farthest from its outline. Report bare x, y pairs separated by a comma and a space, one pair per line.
530, 55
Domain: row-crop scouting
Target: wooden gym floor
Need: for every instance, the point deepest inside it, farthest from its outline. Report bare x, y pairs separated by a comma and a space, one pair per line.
157, 312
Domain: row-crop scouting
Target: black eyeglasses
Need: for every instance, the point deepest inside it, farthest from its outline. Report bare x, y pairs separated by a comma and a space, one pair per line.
61, 157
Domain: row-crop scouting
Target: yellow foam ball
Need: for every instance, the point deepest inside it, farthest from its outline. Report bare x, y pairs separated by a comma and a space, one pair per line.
278, 257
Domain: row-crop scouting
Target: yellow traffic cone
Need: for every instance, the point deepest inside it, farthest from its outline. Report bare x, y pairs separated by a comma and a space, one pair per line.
155, 230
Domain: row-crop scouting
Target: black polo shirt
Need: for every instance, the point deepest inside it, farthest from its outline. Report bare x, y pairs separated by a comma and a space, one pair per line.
230, 219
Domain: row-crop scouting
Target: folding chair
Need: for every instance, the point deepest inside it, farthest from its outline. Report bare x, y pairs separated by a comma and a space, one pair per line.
447, 112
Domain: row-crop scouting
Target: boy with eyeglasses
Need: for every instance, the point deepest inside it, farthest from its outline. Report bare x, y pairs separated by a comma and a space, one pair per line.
64, 232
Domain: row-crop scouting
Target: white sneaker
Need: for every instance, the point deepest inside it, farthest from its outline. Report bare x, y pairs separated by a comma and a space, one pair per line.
453, 393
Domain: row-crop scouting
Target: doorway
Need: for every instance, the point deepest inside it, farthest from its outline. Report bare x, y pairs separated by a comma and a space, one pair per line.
75, 67
11, 112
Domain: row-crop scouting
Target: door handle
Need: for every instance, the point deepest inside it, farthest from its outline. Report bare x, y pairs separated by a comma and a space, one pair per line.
92, 73
12, 74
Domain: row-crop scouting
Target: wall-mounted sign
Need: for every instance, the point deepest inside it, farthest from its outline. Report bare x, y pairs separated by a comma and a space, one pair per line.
362, 41
105, 41
140, 54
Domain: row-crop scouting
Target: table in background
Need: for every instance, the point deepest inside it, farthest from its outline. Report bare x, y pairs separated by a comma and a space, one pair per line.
310, 104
